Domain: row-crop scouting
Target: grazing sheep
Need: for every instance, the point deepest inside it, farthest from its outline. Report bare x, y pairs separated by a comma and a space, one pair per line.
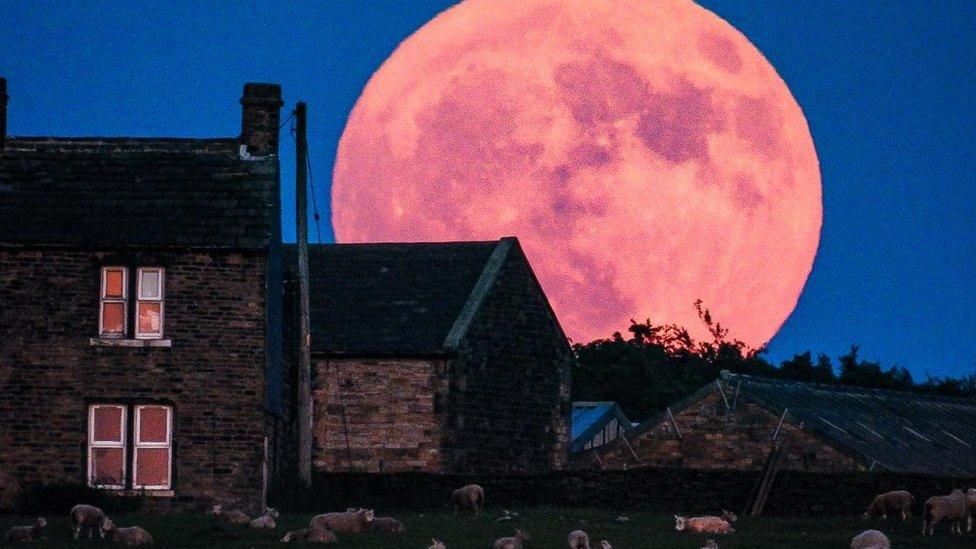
604, 544
343, 523
469, 498
710, 544
387, 525
579, 540
898, 502
132, 535
309, 535
702, 525
436, 544
267, 520
515, 542
88, 517
728, 516
27, 533
952, 508
971, 508
229, 516
622, 518
870, 539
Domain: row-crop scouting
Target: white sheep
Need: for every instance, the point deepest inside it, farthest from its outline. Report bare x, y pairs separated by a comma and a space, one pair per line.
702, 525
578, 539
514, 542
230, 516
132, 535
265, 521
898, 502
27, 533
469, 498
309, 535
436, 544
88, 517
387, 525
953, 508
343, 523
710, 544
870, 539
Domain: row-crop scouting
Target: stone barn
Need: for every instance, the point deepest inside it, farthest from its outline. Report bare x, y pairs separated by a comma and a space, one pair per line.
435, 357
736, 421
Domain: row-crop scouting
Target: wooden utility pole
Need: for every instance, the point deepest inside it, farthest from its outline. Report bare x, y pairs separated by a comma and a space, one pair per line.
304, 339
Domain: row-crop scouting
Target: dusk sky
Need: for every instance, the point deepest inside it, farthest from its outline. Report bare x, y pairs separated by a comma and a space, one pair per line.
887, 89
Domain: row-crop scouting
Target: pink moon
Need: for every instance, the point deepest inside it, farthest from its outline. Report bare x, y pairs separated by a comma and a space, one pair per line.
645, 154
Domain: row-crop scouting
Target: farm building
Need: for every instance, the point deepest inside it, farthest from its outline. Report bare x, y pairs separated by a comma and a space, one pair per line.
435, 357
735, 422
596, 424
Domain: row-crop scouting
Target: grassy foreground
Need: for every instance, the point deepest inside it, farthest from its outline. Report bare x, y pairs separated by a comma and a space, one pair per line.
547, 526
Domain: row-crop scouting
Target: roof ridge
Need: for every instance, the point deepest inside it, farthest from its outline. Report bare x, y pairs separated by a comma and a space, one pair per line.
479, 292
845, 388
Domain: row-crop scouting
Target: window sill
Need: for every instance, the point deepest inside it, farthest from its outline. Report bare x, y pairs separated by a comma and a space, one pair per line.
143, 493
113, 342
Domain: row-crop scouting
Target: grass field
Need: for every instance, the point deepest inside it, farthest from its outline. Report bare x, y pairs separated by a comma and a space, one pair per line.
547, 526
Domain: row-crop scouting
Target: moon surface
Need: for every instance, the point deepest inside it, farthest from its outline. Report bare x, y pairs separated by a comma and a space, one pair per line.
645, 154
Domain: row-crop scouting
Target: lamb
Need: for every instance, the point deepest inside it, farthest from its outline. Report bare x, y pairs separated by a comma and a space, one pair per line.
343, 523
436, 544
702, 525
309, 535
267, 520
88, 517
229, 516
971, 508
387, 525
579, 540
27, 533
514, 542
891, 503
470, 498
710, 544
870, 539
953, 507
132, 535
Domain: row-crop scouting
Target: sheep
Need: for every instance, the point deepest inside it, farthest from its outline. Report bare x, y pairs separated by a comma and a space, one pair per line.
702, 525
309, 535
579, 540
514, 542
88, 517
229, 516
267, 520
710, 544
436, 544
387, 525
343, 523
870, 539
132, 535
971, 508
891, 503
953, 507
470, 498
604, 544
27, 533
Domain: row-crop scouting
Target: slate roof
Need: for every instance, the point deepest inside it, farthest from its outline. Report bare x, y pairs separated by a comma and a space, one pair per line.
126, 192
397, 299
893, 430
589, 418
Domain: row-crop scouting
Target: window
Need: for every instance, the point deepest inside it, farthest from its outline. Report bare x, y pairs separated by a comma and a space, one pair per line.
142, 461
144, 319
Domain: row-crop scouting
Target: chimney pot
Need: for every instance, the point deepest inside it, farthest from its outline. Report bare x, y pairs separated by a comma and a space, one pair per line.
3, 112
261, 116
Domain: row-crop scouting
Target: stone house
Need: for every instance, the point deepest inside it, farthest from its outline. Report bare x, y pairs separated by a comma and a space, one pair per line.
736, 421
140, 307
435, 357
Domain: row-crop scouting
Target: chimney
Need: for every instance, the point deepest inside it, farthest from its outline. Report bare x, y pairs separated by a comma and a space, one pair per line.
3, 112
260, 118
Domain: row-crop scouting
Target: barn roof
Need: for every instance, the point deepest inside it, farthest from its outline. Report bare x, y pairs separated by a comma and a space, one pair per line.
129, 192
891, 430
589, 418
397, 299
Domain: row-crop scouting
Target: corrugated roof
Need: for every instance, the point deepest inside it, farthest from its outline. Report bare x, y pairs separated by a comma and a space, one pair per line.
589, 418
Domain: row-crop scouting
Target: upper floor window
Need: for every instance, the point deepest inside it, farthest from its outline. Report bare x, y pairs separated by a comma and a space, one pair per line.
120, 315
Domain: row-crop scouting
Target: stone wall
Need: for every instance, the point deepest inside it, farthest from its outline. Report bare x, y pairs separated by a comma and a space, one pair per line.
212, 375
378, 415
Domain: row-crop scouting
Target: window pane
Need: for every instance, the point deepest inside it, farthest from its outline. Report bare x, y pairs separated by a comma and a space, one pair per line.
108, 465
108, 424
149, 317
153, 424
114, 283
149, 284
152, 467
113, 318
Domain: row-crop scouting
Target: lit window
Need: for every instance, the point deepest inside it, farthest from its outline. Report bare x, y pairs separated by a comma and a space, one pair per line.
153, 447
114, 317
149, 303
112, 321
106, 446
150, 453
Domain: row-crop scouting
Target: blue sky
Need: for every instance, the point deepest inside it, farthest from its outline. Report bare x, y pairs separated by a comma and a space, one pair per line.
888, 89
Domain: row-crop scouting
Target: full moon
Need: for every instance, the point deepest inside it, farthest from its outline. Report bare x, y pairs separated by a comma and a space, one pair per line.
645, 154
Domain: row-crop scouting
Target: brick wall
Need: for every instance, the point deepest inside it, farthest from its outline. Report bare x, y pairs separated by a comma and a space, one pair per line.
391, 424
212, 375
712, 438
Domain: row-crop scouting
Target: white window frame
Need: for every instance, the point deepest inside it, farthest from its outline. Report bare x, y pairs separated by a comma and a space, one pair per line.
168, 445
95, 444
124, 300
158, 299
